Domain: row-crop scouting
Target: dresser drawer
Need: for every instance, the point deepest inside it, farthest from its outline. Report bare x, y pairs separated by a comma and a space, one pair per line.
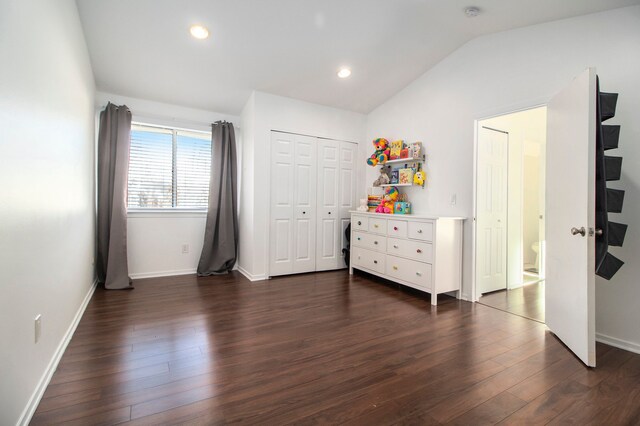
368, 259
360, 223
417, 250
377, 226
421, 231
416, 273
369, 241
397, 228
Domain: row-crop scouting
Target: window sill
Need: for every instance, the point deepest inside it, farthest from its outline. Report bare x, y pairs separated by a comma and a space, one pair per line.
165, 213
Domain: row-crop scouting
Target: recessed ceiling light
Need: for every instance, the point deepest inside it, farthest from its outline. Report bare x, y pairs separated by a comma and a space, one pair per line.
198, 31
472, 12
344, 72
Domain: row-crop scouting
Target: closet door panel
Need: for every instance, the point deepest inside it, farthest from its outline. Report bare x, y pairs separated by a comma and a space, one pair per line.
328, 254
282, 221
347, 192
304, 199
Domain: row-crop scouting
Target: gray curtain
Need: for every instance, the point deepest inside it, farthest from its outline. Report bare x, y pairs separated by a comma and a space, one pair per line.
220, 249
113, 169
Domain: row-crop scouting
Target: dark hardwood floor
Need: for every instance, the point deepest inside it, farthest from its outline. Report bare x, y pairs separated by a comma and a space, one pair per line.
323, 349
526, 301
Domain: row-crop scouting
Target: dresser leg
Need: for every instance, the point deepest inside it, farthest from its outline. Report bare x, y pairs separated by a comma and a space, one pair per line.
350, 270
434, 299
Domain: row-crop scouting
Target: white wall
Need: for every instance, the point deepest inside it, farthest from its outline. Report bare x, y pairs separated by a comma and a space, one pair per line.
155, 239
269, 112
521, 68
47, 213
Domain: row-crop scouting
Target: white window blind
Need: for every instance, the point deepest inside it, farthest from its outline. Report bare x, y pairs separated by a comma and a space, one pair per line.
168, 168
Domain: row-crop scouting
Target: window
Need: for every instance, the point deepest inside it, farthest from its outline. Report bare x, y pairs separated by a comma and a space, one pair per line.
168, 168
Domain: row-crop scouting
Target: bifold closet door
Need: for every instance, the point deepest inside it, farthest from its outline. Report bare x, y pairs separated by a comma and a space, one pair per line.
336, 197
327, 248
348, 198
293, 204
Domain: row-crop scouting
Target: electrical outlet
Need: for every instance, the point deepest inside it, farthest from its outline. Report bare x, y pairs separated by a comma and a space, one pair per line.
38, 327
185, 248
453, 199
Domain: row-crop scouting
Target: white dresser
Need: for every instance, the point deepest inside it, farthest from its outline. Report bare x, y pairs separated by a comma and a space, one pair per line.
418, 251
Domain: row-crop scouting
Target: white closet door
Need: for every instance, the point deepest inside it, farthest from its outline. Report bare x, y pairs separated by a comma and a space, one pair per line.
304, 204
281, 253
347, 193
328, 229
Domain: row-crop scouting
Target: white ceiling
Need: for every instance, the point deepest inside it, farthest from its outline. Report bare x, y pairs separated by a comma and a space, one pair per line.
142, 48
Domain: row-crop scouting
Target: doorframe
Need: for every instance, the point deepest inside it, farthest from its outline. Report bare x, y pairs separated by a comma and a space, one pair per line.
475, 294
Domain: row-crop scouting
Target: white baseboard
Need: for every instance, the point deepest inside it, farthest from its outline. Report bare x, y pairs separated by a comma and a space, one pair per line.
30, 409
251, 277
618, 343
156, 274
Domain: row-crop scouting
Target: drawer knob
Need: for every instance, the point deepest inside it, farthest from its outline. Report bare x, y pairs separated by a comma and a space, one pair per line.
395, 228
358, 238
358, 257
375, 226
359, 223
375, 261
419, 231
375, 242
395, 268
395, 246
419, 274
419, 251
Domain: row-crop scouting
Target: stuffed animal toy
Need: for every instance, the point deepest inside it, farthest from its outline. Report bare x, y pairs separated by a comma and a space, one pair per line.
391, 194
381, 154
419, 178
383, 179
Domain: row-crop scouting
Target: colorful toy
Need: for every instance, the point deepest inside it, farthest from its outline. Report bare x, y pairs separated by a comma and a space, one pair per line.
383, 179
391, 194
402, 207
416, 150
419, 178
381, 153
396, 149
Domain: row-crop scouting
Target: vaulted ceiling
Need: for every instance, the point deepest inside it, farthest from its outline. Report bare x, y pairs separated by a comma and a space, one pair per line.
142, 48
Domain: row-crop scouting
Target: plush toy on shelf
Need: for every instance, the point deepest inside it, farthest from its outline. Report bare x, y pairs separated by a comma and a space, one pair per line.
419, 177
383, 179
363, 205
381, 154
391, 194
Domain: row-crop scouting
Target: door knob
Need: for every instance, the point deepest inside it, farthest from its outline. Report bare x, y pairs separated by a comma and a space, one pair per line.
576, 231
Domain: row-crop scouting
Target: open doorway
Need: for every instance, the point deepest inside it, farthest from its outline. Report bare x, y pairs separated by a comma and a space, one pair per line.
510, 230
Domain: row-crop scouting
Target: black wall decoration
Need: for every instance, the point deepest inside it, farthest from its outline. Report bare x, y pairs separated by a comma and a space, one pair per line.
607, 200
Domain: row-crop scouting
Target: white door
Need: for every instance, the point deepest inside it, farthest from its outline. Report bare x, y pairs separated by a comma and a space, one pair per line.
570, 203
328, 253
281, 253
293, 204
304, 204
348, 195
491, 214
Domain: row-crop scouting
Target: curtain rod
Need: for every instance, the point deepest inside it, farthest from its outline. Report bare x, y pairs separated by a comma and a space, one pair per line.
174, 119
